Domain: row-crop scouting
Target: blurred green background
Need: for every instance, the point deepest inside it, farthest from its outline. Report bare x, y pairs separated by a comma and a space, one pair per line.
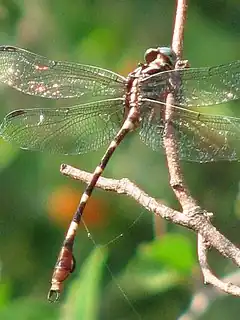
135, 275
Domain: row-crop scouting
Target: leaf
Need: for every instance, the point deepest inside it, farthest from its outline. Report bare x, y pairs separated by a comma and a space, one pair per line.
158, 266
174, 251
83, 299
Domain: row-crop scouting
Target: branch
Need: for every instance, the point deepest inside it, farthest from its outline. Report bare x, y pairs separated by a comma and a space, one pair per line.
170, 144
198, 221
188, 203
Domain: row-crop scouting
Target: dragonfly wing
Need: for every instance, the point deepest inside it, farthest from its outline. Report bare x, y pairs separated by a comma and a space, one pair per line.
200, 137
197, 87
73, 130
156, 86
152, 124
36, 75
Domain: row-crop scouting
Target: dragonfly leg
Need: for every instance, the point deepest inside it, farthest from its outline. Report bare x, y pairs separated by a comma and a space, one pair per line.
182, 64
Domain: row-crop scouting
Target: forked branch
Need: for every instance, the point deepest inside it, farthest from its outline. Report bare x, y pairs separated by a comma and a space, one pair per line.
198, 221
189, 205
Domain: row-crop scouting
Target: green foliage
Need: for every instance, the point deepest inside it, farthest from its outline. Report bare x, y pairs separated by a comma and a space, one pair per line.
173, 251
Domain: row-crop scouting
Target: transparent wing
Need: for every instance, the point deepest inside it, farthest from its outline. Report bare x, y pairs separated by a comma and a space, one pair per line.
200, 137
196, 87
36, 75
74, 130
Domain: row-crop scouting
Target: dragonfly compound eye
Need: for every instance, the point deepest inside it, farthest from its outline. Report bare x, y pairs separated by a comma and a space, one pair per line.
168, 53
151, 55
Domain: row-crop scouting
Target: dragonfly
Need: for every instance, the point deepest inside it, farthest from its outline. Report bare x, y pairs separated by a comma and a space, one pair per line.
110, 106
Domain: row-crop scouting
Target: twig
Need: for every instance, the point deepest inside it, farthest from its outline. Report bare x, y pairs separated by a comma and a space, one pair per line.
203, 298
209, 277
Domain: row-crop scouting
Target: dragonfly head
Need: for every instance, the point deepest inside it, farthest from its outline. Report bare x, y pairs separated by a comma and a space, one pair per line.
165, 53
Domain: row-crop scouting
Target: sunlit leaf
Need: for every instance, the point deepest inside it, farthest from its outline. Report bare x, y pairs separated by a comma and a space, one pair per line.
173, 250
158, 266
151, 272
